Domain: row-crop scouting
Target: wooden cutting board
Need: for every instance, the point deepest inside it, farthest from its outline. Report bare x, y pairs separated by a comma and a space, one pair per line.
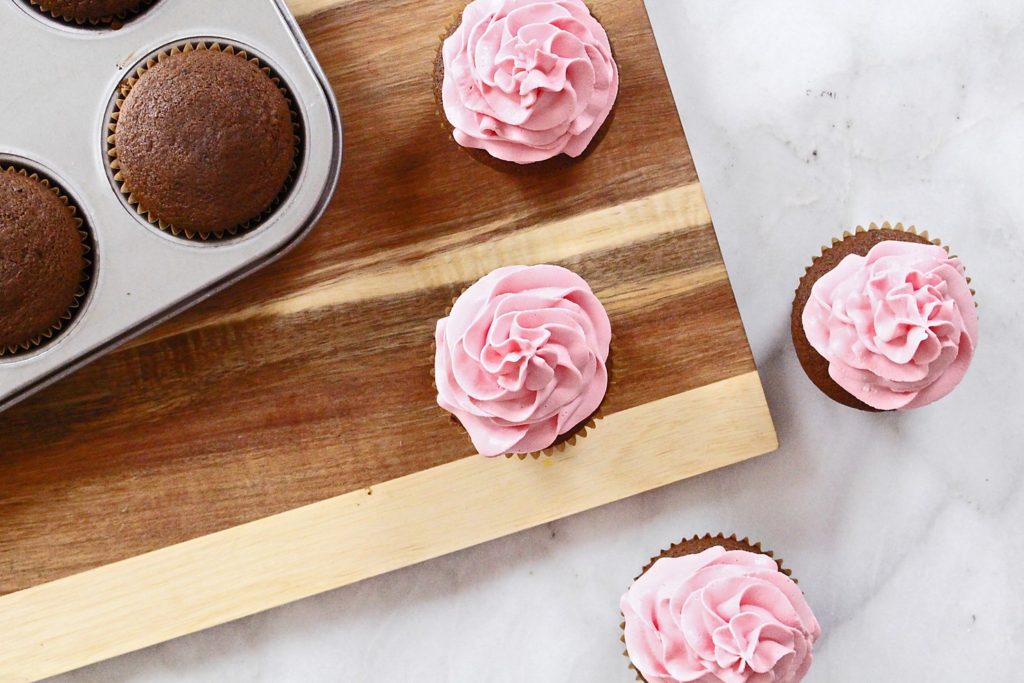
282, 439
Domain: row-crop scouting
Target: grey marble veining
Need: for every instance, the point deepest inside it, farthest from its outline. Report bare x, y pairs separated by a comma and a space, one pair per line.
805, 117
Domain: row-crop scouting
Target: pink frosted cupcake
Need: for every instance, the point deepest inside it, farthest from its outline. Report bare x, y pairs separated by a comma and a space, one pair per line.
521, 361
521, 82
884, 319
713, 609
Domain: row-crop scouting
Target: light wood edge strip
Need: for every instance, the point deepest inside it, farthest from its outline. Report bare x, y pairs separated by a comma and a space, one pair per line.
82, 619
466, 257
305, 8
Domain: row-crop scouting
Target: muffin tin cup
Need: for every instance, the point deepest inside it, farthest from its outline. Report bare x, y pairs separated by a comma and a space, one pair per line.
62, 82
121, 95
112, 21
8, 165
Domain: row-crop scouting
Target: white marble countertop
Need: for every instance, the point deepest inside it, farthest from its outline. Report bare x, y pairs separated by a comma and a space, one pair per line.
805, 117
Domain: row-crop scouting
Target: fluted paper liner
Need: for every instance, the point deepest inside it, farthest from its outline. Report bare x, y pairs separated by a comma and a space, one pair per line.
114, 21
87, 264
692, 546
125, 88
564, 441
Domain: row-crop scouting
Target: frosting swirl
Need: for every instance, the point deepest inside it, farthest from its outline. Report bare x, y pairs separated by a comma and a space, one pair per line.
898, 327
527, 80
521, 358
718, 617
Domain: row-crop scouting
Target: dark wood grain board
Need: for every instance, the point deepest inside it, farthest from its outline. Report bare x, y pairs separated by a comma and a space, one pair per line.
274, 395
282, 438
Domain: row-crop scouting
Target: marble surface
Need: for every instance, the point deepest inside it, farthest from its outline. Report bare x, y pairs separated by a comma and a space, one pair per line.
806, 117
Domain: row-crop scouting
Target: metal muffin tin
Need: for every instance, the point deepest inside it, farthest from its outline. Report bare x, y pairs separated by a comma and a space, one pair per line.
57, 82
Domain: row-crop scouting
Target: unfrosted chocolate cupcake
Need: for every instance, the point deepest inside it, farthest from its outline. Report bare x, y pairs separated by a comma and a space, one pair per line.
204, 141
91, 11
43, 260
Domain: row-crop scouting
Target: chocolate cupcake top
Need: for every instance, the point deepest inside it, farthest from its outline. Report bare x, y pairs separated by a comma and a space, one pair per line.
42, 259
90, 10
204, 141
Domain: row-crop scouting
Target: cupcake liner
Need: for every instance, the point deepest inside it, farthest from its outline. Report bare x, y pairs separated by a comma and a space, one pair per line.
863, 239
113, 21
564, 441
697, 544
561, 161
88, 248
692, 546
125, 88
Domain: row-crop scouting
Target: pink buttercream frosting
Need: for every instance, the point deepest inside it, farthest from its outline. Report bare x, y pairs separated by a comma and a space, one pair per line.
718, 617
898, 327
522, 358
527, 80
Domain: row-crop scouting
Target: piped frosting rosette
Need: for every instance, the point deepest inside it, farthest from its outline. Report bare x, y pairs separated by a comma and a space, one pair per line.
717, 613
528, 80
898, 326
521, 361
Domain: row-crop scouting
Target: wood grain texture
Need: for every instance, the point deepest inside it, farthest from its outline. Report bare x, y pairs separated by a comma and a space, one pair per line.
309, 383
201, 583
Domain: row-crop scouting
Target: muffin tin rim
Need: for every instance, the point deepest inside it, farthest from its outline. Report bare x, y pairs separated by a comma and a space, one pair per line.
85, 29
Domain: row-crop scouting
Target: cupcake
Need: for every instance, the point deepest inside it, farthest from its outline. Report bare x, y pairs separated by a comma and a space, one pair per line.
204, 141
521, 360
717, 610
885, 320
44, 260
523, 82
91, 11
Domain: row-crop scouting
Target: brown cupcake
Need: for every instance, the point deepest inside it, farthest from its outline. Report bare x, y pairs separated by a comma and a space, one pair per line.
859, 243
563, 441
44, 260
738, 599
92, 11
204, 142
451, 394
560, 162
